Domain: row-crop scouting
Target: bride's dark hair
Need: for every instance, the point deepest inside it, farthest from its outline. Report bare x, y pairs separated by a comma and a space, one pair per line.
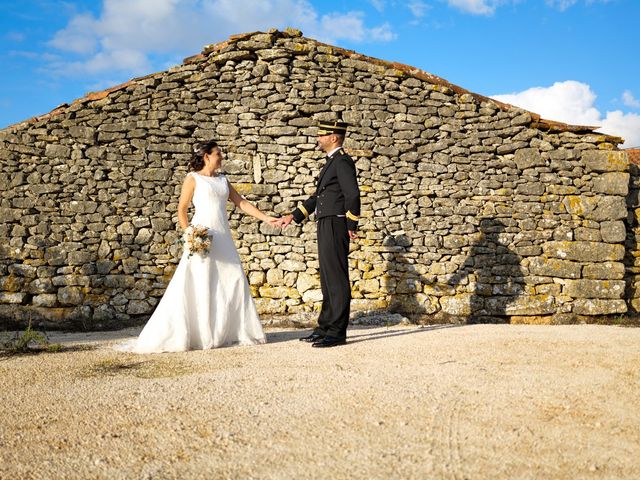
199, 150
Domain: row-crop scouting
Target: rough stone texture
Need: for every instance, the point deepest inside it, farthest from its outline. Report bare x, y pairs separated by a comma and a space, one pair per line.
632, 240
469, 207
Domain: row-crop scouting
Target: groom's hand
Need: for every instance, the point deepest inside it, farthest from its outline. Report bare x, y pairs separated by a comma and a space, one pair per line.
352, 235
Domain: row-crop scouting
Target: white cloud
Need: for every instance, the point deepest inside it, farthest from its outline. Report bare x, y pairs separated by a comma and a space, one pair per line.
418, 8
128, 32
378, 5
573, 102
383, 33
625, 125
561, 5
350, 26
629, 100
476, 7
569, 102
77, 37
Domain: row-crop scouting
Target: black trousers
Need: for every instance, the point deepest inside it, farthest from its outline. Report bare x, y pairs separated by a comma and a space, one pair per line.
333, 253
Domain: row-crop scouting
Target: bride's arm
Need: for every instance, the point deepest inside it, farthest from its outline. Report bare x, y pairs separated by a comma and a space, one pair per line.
247, 207
186, 195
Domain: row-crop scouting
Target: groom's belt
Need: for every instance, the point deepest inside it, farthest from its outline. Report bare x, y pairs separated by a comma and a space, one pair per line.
336, 213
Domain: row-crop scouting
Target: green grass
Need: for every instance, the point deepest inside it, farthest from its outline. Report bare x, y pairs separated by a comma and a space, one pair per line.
28, 341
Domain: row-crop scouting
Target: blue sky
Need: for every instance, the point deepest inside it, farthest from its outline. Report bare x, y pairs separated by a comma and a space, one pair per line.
569, 60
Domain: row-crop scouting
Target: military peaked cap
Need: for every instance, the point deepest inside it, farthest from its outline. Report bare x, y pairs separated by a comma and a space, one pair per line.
327, 128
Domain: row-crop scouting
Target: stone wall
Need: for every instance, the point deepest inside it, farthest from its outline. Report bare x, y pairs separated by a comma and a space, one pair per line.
632, 257
471, 209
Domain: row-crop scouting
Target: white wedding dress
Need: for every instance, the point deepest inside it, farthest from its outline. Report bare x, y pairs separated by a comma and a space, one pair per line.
208, 303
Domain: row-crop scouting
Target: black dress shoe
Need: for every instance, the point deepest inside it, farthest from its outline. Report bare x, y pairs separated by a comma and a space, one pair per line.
328, 341
314, 337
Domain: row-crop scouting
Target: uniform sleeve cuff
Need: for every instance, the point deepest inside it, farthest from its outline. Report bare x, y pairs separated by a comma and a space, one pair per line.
298, 216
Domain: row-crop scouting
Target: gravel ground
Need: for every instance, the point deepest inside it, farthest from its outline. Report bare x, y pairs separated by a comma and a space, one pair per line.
446, 401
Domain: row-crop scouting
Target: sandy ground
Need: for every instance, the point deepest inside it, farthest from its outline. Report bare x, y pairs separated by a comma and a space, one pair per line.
450, 402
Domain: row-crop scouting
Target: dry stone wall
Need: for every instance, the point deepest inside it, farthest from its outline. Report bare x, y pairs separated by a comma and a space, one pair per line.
471, 209
632, 257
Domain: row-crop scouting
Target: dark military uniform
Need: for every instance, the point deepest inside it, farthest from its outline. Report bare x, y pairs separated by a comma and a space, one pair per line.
336, 204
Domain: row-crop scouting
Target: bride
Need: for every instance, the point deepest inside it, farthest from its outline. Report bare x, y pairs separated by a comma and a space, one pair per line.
208, 303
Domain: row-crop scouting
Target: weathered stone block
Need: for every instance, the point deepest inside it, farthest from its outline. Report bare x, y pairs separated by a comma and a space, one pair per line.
80, 258
459, 304
256, 278
312, 296
129, 265
604, 271
584, 251
104, 312
144, 236
597, 306
587, 234
612, 183
307, 282
104, 266
12, 283
70, 295
152, 174
139, 307
71, 280
10, 214
41, 285
55, 256
528, 158
551, 267
84, 134
413, 304
268, 291
22, 270
268, 306
58, 151
608, 208
587, 288
580, 205
45, 300
605, 161
12, 297
118, 281
520, 305
613, 232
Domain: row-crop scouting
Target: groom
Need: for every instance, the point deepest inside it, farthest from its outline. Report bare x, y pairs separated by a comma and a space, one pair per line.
336, 204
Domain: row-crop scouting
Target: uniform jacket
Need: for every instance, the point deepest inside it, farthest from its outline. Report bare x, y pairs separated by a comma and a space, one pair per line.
337, 192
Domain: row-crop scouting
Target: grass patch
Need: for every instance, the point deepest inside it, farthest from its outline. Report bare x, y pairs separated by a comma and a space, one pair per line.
28, 341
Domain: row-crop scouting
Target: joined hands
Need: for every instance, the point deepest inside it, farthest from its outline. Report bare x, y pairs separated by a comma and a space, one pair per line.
281, 222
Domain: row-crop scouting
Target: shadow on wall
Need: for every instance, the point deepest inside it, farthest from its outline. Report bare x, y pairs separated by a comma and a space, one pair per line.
488, 282
631, 261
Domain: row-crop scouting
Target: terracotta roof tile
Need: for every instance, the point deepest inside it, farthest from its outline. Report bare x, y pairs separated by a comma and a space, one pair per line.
634, 155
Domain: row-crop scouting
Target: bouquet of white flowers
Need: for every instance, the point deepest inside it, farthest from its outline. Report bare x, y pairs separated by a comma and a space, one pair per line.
196, 239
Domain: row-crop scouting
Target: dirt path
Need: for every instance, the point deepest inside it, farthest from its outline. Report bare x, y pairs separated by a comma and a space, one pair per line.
450, 402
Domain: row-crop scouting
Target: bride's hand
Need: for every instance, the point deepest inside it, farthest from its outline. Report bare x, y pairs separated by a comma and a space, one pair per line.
273, 221
187, 231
